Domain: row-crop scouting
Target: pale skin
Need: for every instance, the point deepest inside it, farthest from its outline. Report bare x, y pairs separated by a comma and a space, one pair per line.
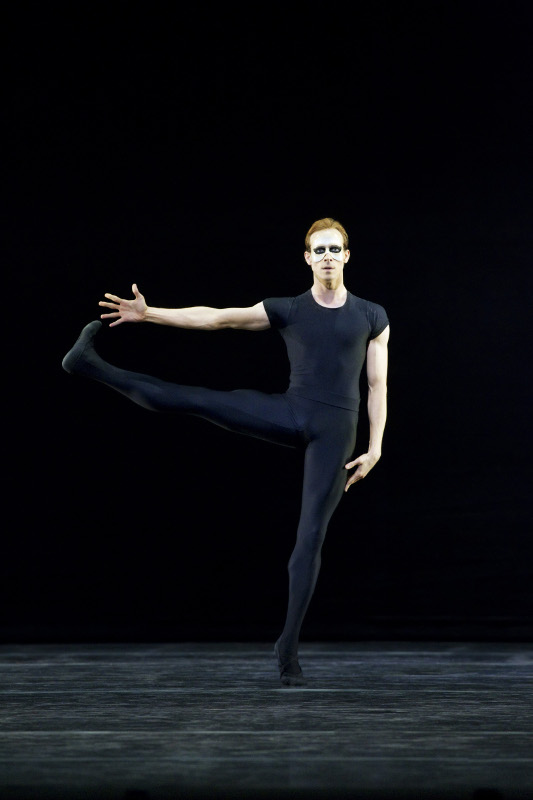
326, 258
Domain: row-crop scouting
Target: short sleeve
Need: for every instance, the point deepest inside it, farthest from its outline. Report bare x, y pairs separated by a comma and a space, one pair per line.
377, 318
277, 310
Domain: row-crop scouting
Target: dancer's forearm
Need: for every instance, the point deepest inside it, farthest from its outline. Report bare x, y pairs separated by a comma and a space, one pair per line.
377, 416
194, 317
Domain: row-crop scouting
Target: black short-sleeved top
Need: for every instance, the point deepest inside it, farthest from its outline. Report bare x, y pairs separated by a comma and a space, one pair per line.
326, 346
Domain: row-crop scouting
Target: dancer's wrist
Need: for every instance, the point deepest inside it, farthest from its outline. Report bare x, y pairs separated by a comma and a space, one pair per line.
150, 315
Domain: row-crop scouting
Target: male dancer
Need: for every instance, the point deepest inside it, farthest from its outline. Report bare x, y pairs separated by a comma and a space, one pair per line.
328, 333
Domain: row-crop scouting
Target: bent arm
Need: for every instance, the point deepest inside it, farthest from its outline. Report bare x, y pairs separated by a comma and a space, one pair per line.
376, 369
253, 318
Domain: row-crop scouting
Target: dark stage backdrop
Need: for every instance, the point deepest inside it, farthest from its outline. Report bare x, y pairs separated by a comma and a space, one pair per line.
189, 151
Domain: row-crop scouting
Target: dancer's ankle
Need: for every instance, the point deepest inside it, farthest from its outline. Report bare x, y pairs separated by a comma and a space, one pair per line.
287, 649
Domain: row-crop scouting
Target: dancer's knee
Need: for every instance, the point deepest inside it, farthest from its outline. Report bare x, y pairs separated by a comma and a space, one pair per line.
150, 397
306, 553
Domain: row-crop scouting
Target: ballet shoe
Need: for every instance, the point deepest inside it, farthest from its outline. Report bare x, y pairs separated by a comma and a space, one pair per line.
74, 355
290, 673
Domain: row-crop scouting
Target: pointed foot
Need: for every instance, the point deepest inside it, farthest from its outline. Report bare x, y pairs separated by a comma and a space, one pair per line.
74, 358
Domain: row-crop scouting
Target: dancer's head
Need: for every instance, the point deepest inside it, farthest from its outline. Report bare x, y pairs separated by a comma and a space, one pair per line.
323, 225
326, 251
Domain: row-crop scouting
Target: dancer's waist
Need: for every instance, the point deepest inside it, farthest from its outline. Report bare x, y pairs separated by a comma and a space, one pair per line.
322, 395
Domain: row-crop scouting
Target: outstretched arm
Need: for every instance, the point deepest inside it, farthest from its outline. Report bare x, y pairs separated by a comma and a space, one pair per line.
253, 318
376, 369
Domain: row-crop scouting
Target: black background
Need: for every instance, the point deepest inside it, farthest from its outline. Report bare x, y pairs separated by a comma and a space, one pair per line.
189, 150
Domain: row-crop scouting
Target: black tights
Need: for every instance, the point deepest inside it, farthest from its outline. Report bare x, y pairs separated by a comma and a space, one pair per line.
326, 432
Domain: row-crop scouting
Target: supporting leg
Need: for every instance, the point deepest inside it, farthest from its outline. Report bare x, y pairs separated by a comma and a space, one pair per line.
324, 481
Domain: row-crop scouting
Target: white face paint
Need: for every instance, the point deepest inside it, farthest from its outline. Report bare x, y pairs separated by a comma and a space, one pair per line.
321, 250
327, 256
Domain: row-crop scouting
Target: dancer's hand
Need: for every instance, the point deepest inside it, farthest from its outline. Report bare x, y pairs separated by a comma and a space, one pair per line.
125, 310
364, 464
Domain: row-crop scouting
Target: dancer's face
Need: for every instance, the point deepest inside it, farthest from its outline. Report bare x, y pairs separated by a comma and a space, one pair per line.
327, 257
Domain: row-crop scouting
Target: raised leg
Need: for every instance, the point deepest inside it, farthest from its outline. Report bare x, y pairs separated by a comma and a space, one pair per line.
264, 416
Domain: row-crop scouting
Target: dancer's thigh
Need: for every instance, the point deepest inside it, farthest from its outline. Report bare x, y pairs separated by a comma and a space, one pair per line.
325, 475
247, 411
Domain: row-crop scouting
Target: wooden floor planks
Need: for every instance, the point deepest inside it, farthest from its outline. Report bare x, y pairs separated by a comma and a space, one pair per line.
157, 721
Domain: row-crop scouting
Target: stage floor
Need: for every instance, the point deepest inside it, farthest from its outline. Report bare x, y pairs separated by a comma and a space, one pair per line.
376, 720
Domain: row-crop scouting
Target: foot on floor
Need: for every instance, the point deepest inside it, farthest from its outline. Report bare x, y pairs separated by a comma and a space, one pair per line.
290, 673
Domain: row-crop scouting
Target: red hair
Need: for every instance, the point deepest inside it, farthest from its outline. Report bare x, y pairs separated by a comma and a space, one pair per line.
323, 225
